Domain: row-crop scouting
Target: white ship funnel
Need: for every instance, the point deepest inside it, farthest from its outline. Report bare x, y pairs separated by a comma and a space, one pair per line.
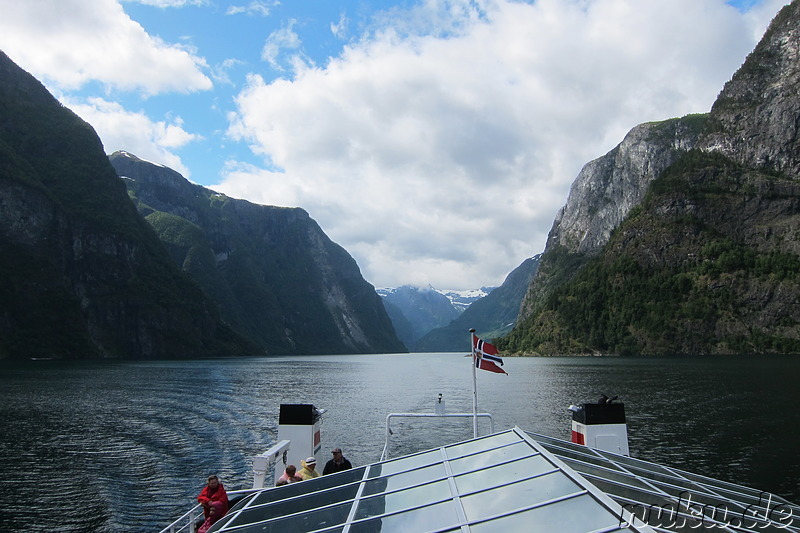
299, 423
601, 425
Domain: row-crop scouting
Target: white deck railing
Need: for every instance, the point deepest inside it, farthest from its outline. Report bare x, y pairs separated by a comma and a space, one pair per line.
185, 524
261, 465
439, 414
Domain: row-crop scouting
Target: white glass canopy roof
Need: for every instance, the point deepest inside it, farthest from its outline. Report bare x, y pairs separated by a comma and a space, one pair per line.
669, 499
508, 482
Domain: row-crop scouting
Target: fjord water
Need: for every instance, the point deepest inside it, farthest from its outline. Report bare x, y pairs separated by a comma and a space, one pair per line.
126, 446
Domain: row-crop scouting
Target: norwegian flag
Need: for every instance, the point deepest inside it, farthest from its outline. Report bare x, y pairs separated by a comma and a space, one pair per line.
485, 356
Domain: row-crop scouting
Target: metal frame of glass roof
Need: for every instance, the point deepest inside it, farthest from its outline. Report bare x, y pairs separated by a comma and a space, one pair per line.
506, 481
673, 500
511, 481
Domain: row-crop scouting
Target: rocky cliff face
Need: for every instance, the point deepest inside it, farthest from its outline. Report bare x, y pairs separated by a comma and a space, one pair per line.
756, 118
83, 275
604, 193
684, 240
608, 188
276, 277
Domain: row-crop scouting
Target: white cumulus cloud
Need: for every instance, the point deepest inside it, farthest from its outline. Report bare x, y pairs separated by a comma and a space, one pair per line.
169, 3
254, 8
70, 43
135, 132
278, 42
339, 28
438, 148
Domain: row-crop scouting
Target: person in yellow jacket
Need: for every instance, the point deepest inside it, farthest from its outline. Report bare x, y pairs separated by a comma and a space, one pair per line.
309, 469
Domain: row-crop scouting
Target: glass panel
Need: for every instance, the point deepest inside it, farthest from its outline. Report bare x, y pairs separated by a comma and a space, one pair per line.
678, 487
624, 494
406, 479
429, 518
221, 522
543, 439
309, 486
575, 515
518, 495
745, 498
631, 463
479, 445
584, 458
297, 505
672, 515
241, 501
503, 474
556, 446
405, 463
748, 494
615, 475
404, 499
311, 521
491, 458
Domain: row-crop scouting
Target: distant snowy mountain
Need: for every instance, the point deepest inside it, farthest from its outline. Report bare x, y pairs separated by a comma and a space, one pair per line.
415, 311
492, 316
463, 299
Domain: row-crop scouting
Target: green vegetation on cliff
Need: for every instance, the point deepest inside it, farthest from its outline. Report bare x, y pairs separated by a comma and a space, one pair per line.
84, 275
702, 266
272, 272
708, 259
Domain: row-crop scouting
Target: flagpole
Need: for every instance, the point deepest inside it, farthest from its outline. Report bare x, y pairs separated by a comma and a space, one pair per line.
474, 385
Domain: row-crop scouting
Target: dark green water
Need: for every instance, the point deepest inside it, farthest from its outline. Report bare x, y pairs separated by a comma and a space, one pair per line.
126, 446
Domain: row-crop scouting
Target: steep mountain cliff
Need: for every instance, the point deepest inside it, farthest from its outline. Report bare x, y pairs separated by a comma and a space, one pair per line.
492, 316
684, 239
756, 118
83, 275
603, 195
276, 277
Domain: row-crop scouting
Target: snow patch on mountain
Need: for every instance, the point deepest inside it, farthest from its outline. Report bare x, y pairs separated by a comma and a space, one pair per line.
460, 299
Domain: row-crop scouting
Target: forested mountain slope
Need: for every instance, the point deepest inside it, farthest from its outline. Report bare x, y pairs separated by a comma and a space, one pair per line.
274, 274
84, 276
685, 238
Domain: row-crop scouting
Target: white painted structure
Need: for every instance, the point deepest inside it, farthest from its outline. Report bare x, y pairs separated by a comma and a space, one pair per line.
601, 426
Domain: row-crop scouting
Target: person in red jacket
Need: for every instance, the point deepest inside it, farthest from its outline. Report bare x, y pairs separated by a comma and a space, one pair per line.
215, 509
213, 492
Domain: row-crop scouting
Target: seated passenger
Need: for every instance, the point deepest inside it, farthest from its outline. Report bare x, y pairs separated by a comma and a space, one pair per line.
216, 510
213, 492
309, 469
289, 476
339, 463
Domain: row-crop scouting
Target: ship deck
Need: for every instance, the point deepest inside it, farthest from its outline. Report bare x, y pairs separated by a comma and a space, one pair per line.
512, 481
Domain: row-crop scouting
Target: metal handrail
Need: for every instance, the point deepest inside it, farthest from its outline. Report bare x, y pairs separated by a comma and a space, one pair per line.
431, 415
261, 465
186, 522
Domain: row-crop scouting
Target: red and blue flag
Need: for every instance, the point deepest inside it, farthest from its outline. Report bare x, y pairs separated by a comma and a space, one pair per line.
486, 356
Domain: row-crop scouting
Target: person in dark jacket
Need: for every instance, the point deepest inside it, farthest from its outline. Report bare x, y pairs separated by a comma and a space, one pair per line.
337, 464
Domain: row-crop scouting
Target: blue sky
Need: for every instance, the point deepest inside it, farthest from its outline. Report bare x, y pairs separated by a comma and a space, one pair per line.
435, 140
